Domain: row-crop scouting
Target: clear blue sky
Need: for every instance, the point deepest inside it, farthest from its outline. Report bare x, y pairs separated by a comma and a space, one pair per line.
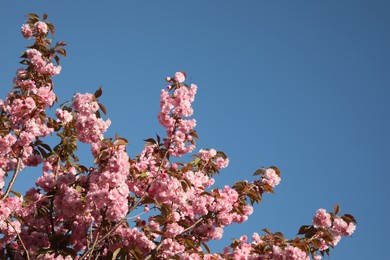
303, 85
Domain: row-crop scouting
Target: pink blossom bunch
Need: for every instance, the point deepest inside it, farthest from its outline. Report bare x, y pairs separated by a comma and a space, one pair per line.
8, 228
26, 31
89, 127
271, 178
211, 156
342, 228
180, 77
289, 252
322, 219
64, 115
40, 65
109, 183
133, 237
40, 28
173, 109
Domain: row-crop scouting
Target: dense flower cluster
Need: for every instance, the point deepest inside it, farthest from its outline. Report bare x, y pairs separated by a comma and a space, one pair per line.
147, 207
89, 127
173, 110
40, 65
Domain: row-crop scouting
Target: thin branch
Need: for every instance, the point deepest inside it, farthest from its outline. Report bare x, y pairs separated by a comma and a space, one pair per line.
20, 239
12, 182
192, 226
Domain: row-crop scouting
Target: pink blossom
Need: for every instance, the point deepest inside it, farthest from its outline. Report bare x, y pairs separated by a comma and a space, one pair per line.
6, 143
271, 178
180, 77
21, 73
26, 31
89, 128
46, 96
256, 238
64, 115
340, 227
2, 173
85, 104
173, 229
28, 84
221, 163
322, 219
350, 229
171, 248
40, 28
336, 240
247, 210
206, 155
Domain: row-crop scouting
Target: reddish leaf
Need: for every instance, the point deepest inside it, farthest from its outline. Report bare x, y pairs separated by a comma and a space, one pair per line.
336, 209
98, 92
103, 108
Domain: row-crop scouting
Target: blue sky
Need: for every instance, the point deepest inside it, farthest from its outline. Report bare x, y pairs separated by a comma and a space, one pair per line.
303, 85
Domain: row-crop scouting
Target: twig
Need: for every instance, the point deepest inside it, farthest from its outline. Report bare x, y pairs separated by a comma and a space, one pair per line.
20, 239
12, 182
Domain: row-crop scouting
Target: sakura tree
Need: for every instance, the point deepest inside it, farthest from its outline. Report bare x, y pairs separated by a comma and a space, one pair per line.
154, 205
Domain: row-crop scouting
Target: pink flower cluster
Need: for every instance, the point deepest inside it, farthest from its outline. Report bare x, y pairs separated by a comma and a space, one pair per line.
173, 109
25, 110
133, 237
64, 115
245, 250
9, 228
107, 185
26, 31
89, 127
40, 65
39, 29
338, 226
271, 178
289, 252
342, 228
208, 156
322, 219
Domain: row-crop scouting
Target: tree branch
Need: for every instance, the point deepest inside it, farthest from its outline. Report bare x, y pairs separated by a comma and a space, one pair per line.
20, 239
12, 182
